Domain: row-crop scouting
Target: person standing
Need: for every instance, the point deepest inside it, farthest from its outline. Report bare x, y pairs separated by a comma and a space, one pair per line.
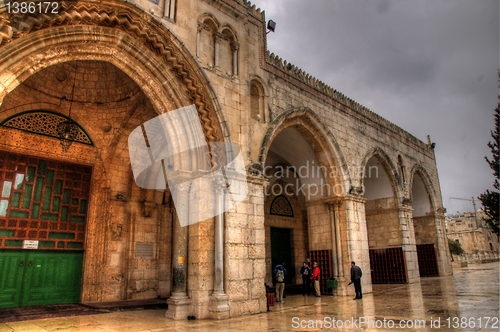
279, 273
305, 271
316, 277
356, 274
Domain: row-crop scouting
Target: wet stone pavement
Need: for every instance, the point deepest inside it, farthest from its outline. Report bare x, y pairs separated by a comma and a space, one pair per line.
466, 301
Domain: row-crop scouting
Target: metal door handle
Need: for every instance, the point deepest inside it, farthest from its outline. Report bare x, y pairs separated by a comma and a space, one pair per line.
30, 263
21, 263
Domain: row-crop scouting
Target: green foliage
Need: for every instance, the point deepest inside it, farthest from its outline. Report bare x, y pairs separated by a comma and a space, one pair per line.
490, 199
455, 247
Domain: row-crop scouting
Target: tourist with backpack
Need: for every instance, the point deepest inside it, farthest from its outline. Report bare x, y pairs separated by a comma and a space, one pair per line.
279, 273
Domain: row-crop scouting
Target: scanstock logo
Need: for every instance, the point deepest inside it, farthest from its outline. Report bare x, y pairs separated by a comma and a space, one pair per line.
170, 151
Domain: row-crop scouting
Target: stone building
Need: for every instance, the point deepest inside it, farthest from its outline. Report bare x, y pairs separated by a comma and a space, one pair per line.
328, 180
478, 241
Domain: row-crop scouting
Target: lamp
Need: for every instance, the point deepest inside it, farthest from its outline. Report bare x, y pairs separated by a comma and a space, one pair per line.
271, 26
67, 129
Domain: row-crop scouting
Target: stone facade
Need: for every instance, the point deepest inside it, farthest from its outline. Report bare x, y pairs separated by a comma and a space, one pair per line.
477, 240
355, 181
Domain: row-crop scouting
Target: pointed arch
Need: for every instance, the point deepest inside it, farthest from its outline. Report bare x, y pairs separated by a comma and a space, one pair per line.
324, 144
389, 168
148, 52
258, 100
420, 171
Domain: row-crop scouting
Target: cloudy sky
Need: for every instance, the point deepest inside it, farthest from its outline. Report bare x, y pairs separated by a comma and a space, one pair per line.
429, 66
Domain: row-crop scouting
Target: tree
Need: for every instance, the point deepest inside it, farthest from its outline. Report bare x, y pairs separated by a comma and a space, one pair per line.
490, 199
455, 247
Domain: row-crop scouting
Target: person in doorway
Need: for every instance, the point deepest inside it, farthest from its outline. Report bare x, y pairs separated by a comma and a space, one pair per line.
279, 273
305, 271
315, 278
356, 274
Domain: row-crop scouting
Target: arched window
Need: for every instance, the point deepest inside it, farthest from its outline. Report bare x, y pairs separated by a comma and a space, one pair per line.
48, 124
257, 101
205, 42
281, 207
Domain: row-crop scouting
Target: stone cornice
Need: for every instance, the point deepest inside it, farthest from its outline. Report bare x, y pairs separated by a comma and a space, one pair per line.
295, 75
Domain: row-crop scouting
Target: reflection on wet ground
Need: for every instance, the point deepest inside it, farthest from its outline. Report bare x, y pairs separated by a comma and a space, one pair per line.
467, 301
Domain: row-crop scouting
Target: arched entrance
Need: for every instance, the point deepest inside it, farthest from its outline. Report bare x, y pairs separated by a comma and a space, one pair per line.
108, 88
303, 167
425, 227
385, 239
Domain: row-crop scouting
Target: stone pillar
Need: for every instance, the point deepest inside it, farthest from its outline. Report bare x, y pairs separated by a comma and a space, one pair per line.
337, 240
178, 303
335, 261
334, 208
96, 240
409, 243
217, 39
198, 40
443, 253
235, 46
357, 243
245, 252
219, 306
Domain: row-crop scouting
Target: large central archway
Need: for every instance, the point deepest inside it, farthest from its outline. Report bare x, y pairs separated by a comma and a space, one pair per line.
126, 68
305, 170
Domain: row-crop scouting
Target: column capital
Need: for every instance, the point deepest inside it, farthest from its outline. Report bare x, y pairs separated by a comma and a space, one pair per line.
219, 184
202, 26
235, 46
218, 37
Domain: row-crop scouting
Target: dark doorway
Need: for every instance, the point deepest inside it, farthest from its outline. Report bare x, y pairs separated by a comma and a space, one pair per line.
387, 266
427, 264
281, 251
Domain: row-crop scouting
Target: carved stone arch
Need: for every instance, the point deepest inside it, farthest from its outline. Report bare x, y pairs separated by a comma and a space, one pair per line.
209, 21
147, 51
389, 167
431, 191
229, 31
325, 146
228, 51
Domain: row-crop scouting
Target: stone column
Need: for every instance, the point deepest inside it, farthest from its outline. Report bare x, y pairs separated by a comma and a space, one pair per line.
409, 243
96, 241
443, 253
198, 40
219, 306
178, 303
217, 39
357, 243
337, 240
333, 208
335, 261
235, 46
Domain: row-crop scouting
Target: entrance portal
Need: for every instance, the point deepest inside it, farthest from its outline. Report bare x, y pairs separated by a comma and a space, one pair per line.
281, 251
43, 202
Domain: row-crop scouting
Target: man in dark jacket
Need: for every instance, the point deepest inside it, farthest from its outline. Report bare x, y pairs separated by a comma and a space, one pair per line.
356, 280
305, 271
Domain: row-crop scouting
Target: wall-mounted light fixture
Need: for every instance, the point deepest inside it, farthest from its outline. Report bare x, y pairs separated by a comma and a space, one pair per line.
271, 26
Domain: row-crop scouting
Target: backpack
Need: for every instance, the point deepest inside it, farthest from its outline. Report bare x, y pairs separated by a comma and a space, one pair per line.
280, 276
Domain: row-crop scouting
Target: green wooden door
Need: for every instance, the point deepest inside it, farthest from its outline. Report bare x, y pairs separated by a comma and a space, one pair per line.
11, 278
39, 277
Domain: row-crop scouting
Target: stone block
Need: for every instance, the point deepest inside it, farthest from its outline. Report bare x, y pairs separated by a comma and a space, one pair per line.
237, 290
256, 251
